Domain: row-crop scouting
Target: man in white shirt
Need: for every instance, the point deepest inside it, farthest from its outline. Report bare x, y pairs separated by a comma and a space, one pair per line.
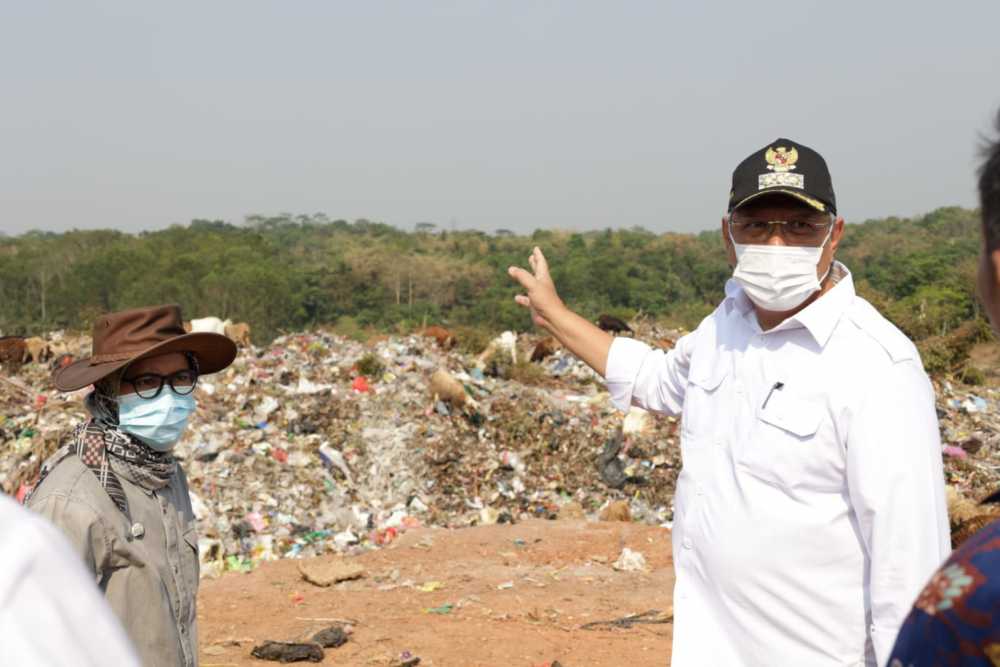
810, 509
51, 613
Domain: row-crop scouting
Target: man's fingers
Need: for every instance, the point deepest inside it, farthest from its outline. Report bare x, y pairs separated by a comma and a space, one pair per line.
523, 300
540, 264
520, 275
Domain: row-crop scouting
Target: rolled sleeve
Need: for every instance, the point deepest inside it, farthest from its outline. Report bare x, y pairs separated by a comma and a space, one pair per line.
896, 484
655, 380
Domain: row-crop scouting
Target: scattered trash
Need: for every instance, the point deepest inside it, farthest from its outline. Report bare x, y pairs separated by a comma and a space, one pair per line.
507, 585
430, 586
405, 659
653, 616
972, 445
630, 561
285, 652
952, 450
334, 636
636, 422
443, 609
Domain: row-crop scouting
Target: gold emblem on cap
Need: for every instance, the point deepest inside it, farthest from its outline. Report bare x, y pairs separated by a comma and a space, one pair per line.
780, 159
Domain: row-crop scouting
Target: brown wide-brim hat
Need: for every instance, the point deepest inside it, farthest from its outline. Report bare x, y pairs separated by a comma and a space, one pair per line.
127, 336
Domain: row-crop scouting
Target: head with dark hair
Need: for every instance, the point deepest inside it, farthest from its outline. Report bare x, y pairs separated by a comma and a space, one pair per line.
989, 191
989, 204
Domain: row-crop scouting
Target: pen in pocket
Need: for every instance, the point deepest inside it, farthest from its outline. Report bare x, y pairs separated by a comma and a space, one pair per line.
776, 385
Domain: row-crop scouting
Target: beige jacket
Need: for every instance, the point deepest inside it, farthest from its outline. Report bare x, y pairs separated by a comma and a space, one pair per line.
148, 570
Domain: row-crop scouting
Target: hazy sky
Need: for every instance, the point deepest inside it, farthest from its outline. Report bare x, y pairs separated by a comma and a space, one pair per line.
474, 114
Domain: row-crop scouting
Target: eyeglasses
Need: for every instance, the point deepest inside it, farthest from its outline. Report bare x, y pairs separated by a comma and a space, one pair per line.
149, 385
795, 232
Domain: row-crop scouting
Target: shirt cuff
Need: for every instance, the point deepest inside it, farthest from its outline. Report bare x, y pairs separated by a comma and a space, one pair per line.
624, 361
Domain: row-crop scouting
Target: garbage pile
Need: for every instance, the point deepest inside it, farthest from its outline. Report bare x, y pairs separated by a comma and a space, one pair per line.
970, 436
319, 443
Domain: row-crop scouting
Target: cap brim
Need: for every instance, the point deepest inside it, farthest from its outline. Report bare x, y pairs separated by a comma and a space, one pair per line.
813, 203
214, 352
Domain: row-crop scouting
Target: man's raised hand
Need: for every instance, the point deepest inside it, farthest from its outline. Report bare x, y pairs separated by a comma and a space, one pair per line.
541, 298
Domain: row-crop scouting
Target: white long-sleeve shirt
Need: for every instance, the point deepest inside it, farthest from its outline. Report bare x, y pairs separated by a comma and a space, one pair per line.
51, 611
810, 508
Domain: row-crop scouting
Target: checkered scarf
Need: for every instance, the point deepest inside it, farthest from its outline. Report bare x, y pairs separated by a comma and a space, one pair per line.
109, 453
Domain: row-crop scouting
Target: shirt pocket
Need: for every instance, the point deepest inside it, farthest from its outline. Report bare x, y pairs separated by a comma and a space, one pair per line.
703, 401
791, 445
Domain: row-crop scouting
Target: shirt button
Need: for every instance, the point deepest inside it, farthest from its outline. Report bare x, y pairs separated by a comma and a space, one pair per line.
701, 491
720, 443
739, 389
686, 543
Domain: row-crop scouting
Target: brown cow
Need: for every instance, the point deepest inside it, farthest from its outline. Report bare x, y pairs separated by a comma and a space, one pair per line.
39, 350
13, 353
239, 333
612, 324
546, 347
445, 339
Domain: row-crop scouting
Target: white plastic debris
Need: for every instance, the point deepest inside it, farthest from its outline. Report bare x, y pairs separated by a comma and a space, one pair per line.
630, 561
345, 539
265, 408
637, 421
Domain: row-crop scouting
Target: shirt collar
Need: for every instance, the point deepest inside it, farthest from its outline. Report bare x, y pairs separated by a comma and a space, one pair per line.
820, 317
736, 298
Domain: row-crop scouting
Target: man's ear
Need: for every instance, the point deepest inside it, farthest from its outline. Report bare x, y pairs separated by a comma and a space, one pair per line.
727, 242
836, 234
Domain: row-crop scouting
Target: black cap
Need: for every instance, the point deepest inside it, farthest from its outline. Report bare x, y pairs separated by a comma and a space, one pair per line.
784, 167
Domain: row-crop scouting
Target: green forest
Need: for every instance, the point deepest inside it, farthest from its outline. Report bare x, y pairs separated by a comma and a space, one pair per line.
289, 273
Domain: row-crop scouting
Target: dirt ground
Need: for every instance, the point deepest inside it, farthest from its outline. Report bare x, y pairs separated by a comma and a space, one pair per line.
519, 597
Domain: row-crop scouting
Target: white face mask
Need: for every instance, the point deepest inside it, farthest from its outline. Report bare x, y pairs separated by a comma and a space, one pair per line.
778, 277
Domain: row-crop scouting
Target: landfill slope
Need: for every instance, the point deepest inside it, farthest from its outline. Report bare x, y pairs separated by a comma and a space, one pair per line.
295, 452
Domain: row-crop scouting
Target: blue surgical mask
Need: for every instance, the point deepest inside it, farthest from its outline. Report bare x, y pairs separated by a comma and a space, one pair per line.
158, 422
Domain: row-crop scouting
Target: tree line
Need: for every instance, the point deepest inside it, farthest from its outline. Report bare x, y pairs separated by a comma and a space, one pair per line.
289, 273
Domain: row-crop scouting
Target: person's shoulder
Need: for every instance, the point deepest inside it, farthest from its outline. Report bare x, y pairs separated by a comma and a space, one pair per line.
881, 335
986, 540
68, 479
716, 321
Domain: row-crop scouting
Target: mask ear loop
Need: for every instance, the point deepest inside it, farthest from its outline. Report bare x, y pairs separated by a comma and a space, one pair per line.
729, 231
822, 245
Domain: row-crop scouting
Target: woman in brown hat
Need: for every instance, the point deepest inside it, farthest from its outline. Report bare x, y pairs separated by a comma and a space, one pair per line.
115, 488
